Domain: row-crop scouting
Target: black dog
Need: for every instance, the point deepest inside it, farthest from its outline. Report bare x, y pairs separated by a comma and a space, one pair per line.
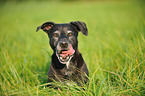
67, 62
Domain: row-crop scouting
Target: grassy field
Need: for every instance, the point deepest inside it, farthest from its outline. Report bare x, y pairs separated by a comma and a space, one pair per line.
114, 50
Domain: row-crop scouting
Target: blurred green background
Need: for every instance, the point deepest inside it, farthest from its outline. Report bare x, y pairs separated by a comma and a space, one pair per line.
114, 50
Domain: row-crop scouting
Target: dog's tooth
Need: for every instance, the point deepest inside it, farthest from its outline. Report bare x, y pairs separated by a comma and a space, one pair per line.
58, 51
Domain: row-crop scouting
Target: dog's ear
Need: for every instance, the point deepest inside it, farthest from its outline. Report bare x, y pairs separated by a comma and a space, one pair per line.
46, 26
80, 26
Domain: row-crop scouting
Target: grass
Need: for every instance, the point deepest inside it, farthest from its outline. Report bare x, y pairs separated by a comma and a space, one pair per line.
114, 49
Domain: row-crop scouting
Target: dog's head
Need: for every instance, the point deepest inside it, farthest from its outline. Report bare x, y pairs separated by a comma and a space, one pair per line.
63, 37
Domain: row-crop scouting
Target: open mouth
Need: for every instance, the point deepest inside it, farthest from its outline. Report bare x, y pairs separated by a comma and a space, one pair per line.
65, 55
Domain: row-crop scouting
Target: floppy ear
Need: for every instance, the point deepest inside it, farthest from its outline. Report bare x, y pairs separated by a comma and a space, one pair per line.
80, 26
46, 26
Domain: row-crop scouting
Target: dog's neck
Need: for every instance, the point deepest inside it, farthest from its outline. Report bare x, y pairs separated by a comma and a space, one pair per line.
67, 64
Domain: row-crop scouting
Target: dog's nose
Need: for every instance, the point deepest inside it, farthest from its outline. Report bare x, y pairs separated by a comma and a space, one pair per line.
63, 44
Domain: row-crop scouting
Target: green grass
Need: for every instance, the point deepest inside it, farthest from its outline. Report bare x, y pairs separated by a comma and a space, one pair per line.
114, 50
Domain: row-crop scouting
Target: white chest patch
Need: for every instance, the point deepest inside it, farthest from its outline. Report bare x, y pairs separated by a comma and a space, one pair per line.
67, 64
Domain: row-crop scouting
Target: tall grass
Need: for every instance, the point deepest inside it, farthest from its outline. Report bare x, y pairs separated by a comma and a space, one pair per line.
114, 49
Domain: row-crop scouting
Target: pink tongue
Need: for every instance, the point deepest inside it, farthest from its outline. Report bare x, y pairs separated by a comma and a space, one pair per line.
69, 52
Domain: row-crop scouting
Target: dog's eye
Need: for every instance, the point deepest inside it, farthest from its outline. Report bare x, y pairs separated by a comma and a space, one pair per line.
70, 34
55, 35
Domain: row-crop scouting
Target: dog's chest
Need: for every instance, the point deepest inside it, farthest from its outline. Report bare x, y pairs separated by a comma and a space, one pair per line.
68, 70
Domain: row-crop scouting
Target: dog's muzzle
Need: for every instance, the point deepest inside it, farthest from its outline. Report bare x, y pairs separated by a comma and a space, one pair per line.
65, 56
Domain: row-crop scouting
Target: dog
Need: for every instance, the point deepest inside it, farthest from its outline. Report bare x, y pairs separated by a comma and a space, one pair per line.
67, 63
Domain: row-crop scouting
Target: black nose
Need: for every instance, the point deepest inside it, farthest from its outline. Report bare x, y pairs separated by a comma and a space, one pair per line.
64, 44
